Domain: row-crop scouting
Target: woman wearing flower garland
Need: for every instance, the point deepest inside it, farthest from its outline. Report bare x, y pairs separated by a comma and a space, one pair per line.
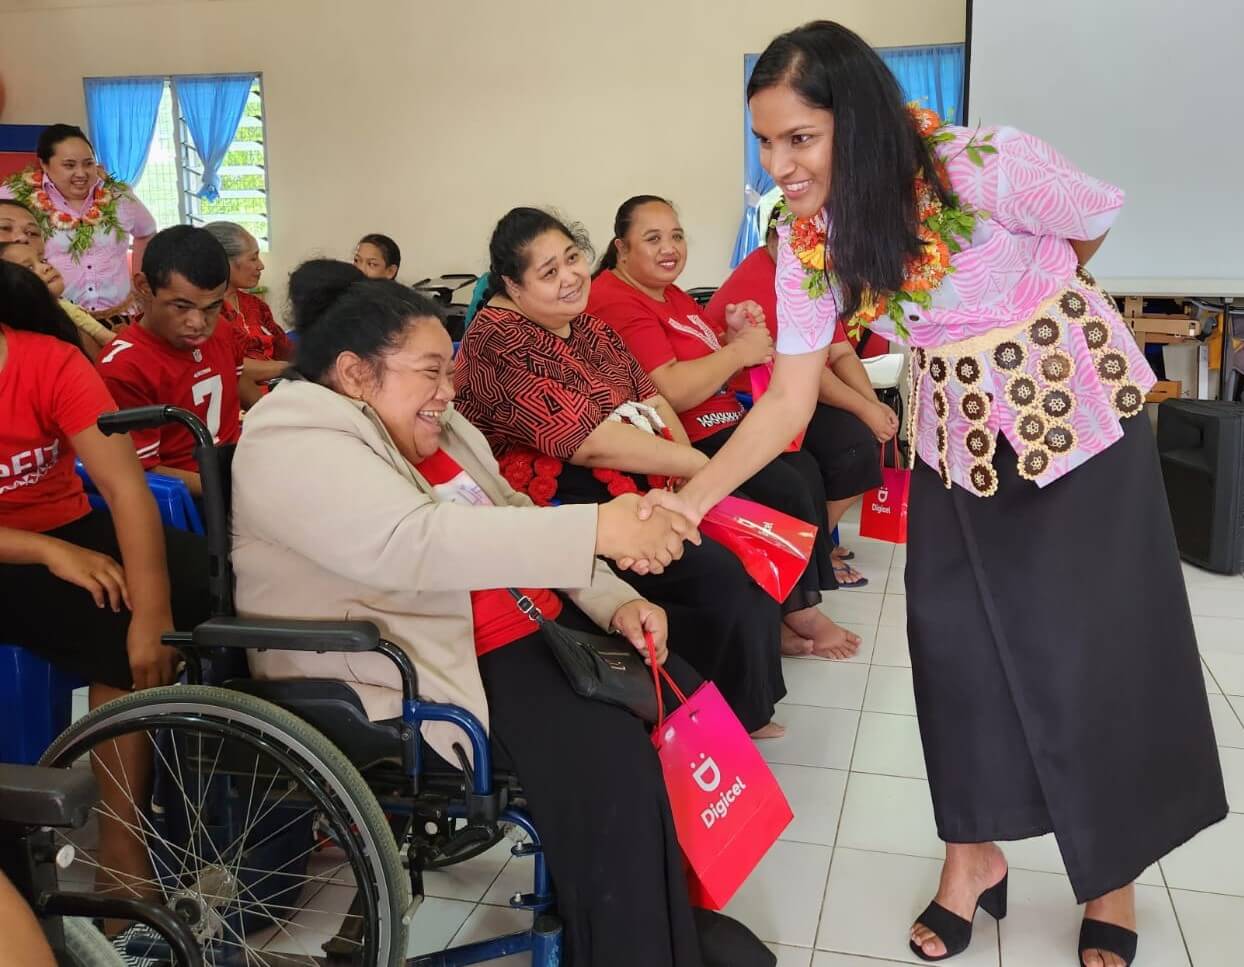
1051, 699
573, 417
88, 220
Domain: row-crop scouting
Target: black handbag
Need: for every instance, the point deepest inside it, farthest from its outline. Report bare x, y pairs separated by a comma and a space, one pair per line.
599, 667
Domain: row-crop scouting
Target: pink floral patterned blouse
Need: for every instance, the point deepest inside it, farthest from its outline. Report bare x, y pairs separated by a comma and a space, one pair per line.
1018, 339
100, 277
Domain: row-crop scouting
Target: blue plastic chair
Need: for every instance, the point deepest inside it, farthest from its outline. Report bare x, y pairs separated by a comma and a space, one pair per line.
37, 697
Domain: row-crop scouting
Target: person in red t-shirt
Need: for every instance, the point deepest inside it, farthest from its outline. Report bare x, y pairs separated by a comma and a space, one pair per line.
849, 423
177, 354
266, 346
691, 363
87, 589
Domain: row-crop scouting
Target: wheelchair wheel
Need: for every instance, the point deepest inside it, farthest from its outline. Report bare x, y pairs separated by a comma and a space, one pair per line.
253, 828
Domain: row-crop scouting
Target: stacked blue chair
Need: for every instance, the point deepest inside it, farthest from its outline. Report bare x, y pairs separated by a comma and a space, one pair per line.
36, 699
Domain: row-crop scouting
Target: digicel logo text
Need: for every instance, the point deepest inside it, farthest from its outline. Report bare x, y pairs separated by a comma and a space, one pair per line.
708, 777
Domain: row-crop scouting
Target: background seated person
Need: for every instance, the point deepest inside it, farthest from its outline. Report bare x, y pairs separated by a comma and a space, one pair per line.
399, 516
547, 385
266, 347
377, 256
849, 423
89, 590
177, 354
19, 226
634, 292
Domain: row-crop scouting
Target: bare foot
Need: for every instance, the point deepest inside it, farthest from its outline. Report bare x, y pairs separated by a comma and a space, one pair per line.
772, 730
840, 553
828, 639
794, 644
1118, 908
847, 576
970, 869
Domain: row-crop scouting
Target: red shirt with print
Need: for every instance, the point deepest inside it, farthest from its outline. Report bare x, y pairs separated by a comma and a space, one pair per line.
662, 332
48, 394
141, 369
262, 336
498, 621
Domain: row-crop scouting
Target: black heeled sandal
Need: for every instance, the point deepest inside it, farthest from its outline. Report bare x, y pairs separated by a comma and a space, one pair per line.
952, 930
1099, 935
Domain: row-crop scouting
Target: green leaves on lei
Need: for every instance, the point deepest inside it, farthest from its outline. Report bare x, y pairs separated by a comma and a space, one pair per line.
27, 186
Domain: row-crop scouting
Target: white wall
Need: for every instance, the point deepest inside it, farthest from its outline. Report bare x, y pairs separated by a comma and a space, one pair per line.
428, 120
1146, 94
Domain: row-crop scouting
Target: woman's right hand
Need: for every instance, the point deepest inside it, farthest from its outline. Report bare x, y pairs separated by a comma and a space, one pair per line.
645, 546
97, 573
754, 345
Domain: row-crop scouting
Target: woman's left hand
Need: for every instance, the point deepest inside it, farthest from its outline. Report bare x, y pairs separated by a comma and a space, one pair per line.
635, 618
745, 313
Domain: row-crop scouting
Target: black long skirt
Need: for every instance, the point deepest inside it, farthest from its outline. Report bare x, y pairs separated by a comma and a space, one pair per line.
1057, 678
595, 790
791, 483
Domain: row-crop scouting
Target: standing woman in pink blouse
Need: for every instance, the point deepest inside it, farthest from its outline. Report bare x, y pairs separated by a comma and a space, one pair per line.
88, 220
1051, 698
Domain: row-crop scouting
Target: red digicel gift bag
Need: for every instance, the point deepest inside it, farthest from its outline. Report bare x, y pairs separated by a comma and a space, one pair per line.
773, 547
883, 512
760, 376
728, 807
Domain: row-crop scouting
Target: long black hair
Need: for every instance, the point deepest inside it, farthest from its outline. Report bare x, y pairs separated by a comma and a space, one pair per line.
336, 308
26, 304
621, 225
877, 152
517, 229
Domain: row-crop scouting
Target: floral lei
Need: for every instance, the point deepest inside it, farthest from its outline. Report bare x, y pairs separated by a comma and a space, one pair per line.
943, 229
29, 189
535, 475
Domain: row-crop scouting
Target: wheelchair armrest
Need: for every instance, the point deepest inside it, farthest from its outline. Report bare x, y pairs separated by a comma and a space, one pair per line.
287, 634
39, 796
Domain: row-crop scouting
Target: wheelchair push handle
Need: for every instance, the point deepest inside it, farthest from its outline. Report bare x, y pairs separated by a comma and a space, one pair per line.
150, 417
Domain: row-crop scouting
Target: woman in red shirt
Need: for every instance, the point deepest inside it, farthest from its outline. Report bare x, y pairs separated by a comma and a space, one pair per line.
63, 593
849, 424
267, 347
691, 364
573, 417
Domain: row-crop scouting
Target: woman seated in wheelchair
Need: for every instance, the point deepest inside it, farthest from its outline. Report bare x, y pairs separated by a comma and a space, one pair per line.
358, 492
89, 590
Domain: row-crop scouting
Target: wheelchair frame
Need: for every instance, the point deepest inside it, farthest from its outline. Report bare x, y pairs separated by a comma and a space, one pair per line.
482, 805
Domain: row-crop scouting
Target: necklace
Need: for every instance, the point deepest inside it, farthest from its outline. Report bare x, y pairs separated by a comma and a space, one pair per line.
943, 229
30, 188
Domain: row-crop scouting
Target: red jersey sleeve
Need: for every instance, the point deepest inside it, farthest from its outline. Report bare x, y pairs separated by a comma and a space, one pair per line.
128, 387
79, 396
639, 329
525, 406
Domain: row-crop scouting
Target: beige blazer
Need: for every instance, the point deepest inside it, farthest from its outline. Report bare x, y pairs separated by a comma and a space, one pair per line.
331, 522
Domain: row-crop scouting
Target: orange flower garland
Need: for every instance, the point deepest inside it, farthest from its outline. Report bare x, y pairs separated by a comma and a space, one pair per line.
28, 187
942, 230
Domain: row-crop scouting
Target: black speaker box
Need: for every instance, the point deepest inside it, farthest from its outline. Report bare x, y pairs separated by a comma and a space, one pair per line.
1201, 445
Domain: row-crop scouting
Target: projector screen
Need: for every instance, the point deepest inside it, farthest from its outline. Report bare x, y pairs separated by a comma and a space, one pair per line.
1146, 94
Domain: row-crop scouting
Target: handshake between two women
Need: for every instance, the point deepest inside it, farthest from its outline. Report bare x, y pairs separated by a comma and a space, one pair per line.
644, 543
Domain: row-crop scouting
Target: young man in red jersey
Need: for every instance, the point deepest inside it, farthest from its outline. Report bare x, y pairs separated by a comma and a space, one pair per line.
177, 354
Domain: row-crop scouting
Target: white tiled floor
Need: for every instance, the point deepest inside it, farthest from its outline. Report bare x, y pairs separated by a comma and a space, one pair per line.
862, 859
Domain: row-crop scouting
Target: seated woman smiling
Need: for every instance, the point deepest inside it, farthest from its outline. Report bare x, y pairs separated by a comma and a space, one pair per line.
691, 363
572, 416
359, 492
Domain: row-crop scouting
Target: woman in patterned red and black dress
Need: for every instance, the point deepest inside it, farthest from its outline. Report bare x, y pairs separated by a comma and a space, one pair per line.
573, 417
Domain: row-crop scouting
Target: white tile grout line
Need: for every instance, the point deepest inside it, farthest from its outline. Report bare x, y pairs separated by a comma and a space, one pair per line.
845, 789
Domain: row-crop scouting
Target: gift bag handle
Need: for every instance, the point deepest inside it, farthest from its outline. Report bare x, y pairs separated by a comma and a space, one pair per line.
658, 672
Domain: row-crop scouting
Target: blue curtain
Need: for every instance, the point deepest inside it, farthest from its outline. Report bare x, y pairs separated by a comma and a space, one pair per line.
121, 113
212, 105
756, 180
931, 76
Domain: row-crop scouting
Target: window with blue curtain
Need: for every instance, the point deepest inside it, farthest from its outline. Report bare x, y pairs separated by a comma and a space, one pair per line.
931, 76
121, 115
212, 106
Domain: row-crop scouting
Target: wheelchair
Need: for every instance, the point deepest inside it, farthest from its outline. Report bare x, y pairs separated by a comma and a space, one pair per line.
273, 800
